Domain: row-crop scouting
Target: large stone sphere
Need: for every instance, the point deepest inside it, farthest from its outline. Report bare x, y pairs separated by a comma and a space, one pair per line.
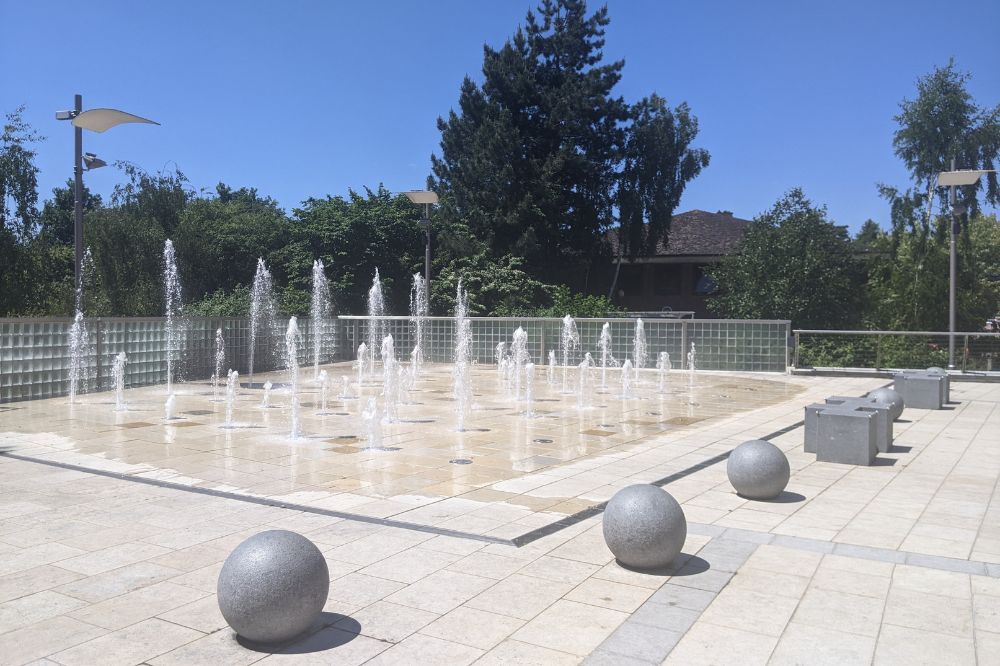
758, 470
935, 370
644, 527
890, 398
273, 586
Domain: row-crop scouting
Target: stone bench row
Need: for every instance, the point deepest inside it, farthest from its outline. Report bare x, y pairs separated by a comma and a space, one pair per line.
852, 431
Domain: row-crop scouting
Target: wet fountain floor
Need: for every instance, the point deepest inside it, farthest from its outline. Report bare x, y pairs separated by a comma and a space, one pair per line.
505, 476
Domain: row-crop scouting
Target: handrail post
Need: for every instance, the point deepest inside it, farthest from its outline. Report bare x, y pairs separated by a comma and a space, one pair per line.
965, 353
878, 352
795, 361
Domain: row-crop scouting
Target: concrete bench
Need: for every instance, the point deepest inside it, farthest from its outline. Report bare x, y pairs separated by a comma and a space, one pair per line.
921, 390
846, 435
945, 385
883, 423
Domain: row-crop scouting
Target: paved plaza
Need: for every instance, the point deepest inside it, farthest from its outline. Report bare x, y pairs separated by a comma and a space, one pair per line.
485, 546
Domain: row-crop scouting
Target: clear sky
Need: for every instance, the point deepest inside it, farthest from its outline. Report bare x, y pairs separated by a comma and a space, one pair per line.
308, 98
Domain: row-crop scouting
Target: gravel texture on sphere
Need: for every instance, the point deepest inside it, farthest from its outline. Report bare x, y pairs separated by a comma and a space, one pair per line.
889, 397
758, 470
273, 586
644, 527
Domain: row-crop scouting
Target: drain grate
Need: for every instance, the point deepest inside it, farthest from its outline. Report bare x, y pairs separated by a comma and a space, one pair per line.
542, 440
460, 461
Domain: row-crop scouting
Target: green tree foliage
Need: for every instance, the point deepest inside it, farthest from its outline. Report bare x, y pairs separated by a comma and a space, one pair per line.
56, 221
497, 287
910, 290
18, 176
219, 239
128, 262
793, 264
160, 197
529, 161
354, 236
945, 123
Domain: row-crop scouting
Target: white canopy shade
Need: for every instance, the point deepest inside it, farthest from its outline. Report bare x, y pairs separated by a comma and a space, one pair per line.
966, 177
422, 197
99, 120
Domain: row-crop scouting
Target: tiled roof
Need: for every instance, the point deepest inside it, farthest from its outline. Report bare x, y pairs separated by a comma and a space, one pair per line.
698, 232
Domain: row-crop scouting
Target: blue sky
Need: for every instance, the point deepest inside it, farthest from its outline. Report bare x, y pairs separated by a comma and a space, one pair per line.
305, 99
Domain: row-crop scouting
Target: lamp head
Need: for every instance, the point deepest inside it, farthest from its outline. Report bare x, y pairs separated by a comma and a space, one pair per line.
92, 161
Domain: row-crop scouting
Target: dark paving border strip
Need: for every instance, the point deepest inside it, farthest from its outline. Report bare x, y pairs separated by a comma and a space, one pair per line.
260, 501
596, 509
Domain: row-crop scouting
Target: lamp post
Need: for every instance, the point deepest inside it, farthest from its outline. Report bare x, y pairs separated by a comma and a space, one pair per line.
951, 179
96, 120
426, 198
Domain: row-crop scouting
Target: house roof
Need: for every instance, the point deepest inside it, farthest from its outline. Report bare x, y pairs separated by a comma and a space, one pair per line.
698, 232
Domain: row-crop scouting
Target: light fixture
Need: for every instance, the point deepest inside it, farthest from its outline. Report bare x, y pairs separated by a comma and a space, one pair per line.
426, 198
92, 161
963, 177
422, 196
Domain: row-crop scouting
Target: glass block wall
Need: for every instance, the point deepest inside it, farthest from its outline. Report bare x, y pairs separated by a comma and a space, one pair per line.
35, 353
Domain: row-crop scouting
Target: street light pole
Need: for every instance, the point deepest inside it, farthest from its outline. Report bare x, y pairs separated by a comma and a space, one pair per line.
427, 254
952, 261
78, 201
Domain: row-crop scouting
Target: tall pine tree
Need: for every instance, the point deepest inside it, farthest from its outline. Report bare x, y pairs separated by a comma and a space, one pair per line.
530, 161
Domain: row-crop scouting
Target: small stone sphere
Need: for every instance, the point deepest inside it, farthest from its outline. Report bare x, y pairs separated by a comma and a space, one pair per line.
644, 526
890, 398
934, 370
273, 586
758, 470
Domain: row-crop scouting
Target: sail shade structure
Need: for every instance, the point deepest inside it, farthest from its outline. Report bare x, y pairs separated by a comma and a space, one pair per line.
967, 177
100, 120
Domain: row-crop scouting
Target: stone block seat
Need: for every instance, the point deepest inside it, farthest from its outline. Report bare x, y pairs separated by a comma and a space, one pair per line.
847, 436
921, 390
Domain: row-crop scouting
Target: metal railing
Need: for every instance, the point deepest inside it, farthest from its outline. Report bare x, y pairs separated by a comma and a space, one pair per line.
975, 351
721, 344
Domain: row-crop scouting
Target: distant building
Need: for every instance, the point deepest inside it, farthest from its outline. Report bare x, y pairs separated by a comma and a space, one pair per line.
673, 277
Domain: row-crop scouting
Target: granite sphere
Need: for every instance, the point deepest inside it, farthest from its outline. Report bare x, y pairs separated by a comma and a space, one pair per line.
889, 397
935, 370
273, 586
644, 526
758, 470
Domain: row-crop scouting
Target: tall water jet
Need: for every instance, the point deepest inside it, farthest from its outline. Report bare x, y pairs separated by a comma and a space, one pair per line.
390, 379
168, 407
627, 379
500, 355
462, 388
265, 402
551, 371
376, 323
171, 306
263, 310
77, 354
569, 339
664, 366
345, 390
118, 372
292, 340
519, 356
232, 385
362, 363
639, 345
529, 389
319, 312
418, 313
584, 382
78, 333
373, 424
220, 362
691, 361
324, 386
607, 358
